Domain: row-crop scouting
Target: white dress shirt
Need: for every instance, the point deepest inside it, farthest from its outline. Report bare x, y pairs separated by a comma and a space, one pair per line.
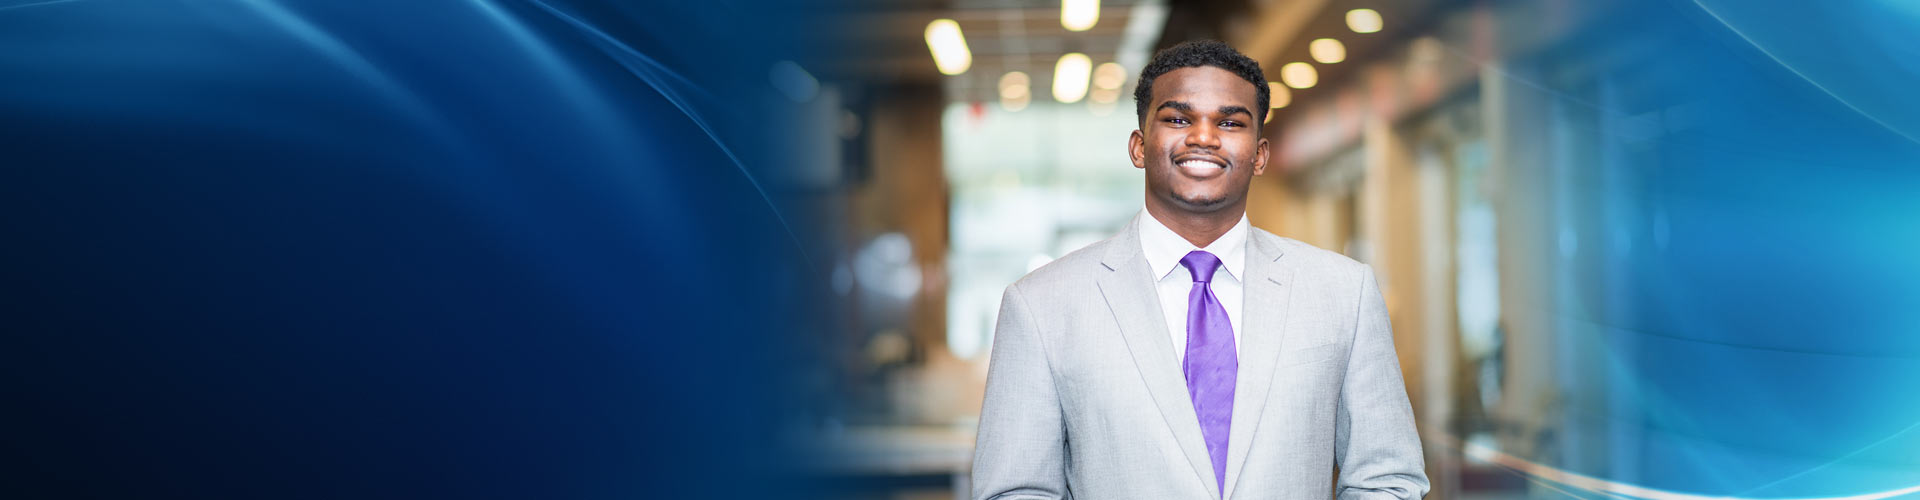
1164, 249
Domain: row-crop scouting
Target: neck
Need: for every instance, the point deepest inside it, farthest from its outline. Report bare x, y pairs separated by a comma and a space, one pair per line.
1200, 229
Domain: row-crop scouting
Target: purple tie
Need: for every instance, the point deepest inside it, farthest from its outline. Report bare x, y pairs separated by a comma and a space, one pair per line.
1210, 364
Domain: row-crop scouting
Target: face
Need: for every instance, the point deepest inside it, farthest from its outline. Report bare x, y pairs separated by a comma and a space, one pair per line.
1200, 144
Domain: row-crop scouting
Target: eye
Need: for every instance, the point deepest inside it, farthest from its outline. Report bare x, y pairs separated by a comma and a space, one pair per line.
1229, 124
1176, 121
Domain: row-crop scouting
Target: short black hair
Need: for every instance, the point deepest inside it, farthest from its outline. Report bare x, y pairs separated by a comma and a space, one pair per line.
1195, 54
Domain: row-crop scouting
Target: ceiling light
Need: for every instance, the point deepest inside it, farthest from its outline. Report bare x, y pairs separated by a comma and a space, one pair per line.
1327, 50
1015, 84
1079, 15
1070, 77
1363, 20
949, 48
1299, 75
1279, 96
1109, 76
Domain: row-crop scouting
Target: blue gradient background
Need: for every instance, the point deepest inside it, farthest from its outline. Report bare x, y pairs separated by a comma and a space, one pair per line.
1735, 287
515, 249
474, 249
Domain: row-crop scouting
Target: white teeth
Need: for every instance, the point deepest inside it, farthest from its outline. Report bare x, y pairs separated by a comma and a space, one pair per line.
1200, 163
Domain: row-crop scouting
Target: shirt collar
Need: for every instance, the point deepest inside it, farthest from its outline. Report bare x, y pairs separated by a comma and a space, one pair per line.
1164, 248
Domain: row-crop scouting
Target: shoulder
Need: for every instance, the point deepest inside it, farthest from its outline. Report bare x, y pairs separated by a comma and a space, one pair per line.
1070, 272
1315, 263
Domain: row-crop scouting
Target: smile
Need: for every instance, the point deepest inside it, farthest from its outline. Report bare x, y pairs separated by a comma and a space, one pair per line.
1201, 167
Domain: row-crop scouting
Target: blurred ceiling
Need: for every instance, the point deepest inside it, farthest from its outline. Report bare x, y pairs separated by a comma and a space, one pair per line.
883, 43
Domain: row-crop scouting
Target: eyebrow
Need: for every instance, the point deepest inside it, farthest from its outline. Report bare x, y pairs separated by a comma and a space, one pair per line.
1183, 107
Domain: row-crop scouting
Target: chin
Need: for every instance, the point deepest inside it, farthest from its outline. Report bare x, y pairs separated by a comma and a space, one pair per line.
1202, 203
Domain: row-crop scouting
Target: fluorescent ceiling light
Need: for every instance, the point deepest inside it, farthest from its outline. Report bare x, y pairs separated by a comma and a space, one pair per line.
1363, 20
1070, 77
1327, 50
1299, 75
1079, 15
949, 48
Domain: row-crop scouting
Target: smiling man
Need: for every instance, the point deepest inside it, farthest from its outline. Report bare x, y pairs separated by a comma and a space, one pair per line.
1193, 354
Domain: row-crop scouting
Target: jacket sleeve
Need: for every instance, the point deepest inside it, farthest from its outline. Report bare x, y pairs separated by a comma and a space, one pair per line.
1020, 451
1375, 444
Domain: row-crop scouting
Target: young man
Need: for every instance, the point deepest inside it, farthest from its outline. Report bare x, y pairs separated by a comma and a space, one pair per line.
1193, 354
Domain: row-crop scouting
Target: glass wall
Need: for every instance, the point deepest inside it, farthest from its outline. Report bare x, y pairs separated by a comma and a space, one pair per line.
1028, 187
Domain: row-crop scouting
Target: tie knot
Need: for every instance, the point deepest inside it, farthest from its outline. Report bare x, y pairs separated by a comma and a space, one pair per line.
1201, 264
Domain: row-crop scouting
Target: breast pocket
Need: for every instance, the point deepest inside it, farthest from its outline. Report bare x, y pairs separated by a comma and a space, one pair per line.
1309, 355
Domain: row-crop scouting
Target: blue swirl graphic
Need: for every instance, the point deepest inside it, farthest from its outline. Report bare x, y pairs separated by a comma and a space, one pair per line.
465, 249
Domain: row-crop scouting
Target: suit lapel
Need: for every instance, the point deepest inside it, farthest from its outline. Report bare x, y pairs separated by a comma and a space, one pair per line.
1129, 291
1269, 290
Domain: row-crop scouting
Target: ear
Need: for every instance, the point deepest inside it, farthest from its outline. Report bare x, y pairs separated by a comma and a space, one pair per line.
1137, 149
1260, 158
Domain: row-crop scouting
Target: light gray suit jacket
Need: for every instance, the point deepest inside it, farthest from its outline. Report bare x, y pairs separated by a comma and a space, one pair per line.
1085, 398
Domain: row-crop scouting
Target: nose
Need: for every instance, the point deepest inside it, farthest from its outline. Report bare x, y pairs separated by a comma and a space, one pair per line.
1203, 135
